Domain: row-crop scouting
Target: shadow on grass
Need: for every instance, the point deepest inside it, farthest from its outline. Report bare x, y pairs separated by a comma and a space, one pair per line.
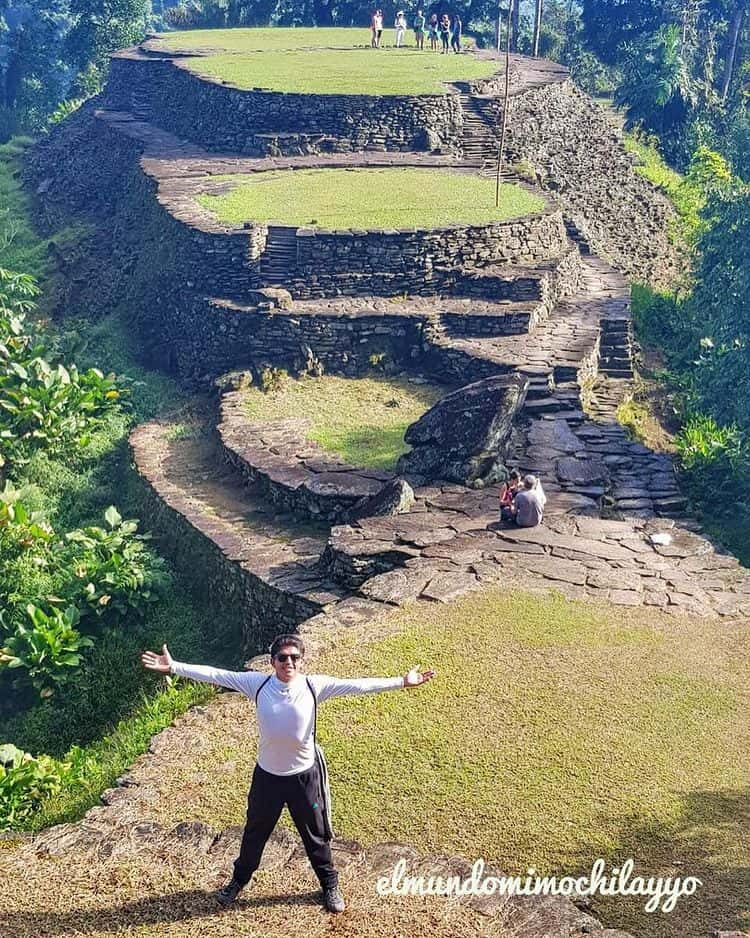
710, 839
171, 907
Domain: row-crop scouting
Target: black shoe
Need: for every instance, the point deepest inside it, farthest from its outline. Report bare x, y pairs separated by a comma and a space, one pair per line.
333, 900
227, 894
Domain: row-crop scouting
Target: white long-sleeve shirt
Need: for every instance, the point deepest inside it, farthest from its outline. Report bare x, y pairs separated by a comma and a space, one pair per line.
286, 711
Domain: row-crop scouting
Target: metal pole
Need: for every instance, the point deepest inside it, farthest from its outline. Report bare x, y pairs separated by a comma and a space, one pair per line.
505, 111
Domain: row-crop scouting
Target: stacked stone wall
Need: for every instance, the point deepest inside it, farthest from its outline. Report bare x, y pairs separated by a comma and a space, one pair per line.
212, 562
417, 262
578, 153
205, 337
223, 118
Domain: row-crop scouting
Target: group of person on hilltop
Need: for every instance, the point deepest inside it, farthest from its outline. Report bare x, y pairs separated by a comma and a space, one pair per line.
448, 30
522, 500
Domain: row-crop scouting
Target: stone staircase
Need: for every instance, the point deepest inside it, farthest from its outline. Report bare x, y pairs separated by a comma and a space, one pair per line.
615, 348
279, 259
577, 236
479, 130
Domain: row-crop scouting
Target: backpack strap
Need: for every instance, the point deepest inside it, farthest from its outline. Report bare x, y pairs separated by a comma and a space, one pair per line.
261, 688
315, 711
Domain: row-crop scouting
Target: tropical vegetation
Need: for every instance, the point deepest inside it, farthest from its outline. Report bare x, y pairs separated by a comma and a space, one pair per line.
82, 590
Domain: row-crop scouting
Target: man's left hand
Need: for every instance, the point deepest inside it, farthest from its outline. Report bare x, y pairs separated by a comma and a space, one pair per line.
416, 676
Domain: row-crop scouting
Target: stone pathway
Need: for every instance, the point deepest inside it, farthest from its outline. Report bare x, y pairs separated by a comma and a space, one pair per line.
268, 547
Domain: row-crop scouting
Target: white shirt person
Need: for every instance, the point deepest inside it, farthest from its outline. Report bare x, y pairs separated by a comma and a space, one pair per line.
289, 770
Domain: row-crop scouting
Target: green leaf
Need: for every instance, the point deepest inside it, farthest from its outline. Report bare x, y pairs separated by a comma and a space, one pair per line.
112, 516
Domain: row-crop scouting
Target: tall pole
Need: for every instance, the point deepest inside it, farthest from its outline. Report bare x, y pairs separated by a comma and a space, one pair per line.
506, 96
537, 26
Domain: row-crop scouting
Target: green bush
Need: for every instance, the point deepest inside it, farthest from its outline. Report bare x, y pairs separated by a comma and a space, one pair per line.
24, 782
98, 574
46, 648
43, 403
111, 571
704, 446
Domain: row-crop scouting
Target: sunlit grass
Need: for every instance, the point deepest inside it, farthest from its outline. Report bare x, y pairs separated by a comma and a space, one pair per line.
361, 420
322, 61
369, 198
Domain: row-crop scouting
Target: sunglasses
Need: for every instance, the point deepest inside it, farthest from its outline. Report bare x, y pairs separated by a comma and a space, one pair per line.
284, 658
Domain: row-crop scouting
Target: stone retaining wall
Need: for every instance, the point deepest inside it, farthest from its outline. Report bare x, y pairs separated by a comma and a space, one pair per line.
224, 118
210, 555
294, 472
205, 337
578, 152
424, 262
547, 285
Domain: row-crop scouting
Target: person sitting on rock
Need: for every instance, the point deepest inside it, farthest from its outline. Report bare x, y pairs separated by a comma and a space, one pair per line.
290, 768
528, 505
508, 494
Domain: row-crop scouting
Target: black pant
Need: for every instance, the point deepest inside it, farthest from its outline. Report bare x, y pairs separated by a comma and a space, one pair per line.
268, 795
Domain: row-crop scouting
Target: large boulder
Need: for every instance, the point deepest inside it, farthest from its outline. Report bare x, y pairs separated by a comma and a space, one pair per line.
463, 438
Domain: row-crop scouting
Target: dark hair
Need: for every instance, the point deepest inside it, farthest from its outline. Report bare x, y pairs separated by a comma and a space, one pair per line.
283, 640
515, 474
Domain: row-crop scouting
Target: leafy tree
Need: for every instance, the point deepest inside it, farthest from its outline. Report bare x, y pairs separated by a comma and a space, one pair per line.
721, 300
611, 25
657, 90
53, 49
34, 73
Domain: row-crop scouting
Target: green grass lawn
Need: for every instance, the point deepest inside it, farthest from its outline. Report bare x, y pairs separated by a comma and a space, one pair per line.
369, 198
322, 61
556, 733
361, 420
351, 71
263, 39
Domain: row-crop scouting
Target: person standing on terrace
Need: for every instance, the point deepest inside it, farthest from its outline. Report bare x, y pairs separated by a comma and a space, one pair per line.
377, 28
290, 767
400, 27
419, 24
456, 31
445, 29
434, 32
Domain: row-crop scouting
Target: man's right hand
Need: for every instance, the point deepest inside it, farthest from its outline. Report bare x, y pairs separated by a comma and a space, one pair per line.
161, 663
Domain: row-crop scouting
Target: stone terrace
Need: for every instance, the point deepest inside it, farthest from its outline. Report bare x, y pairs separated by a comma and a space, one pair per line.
228, 500
550, 323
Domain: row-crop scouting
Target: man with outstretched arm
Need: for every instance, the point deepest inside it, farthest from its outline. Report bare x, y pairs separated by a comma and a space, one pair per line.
290, 769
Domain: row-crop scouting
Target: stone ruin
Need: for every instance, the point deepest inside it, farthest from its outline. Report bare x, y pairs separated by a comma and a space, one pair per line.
527, 323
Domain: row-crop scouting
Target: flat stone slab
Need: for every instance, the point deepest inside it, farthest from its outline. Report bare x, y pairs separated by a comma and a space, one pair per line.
613, 579
446, 586
581, 471
567, 571
396, 586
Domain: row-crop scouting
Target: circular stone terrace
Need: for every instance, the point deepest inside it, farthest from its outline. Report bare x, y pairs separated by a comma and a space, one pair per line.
396, 197
320, 61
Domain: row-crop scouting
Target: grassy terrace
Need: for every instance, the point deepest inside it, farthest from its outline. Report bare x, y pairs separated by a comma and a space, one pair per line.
369, 198
554, 733
321, 61
363, 421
